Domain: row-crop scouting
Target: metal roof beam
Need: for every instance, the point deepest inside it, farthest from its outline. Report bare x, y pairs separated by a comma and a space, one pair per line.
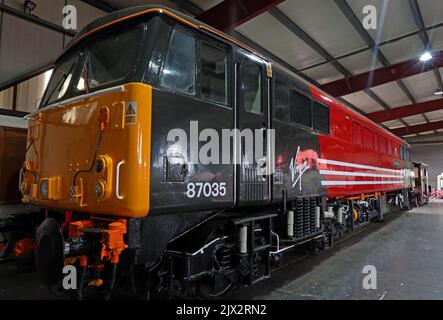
300, 33
41, 22
415, 9
426, 136
425, 143
406, 111
356, 24
418, 17
38, 21
364, 34
382, 75
380, 44
418, 128
416, 12
229, 14
377, 99
311, 42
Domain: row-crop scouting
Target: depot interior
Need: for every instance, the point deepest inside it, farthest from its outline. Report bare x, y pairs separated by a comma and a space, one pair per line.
322, 41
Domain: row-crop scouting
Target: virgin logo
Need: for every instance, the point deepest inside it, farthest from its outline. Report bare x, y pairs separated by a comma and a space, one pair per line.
302, 162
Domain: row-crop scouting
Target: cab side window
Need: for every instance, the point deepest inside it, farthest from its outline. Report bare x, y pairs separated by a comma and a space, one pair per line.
301, 108
179, 71
320, 115
251, 87
405, 153
282, 101
213, 73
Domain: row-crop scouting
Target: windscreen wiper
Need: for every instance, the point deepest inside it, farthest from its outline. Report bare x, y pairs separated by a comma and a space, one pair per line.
62, 79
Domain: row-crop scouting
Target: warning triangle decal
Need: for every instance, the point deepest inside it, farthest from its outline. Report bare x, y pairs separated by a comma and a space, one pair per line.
130, 110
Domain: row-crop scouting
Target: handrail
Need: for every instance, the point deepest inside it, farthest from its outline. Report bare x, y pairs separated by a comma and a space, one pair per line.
117, 181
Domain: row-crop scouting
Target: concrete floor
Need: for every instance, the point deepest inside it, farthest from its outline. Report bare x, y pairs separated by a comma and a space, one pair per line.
406, 251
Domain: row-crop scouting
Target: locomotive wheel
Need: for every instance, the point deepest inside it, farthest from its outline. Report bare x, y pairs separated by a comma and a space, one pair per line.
313, 248
49, 254
206, 290
218, 285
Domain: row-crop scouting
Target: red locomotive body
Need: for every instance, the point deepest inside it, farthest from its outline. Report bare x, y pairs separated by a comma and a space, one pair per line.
359, 156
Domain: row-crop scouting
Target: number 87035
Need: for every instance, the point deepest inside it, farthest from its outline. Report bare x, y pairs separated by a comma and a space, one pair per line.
206, 190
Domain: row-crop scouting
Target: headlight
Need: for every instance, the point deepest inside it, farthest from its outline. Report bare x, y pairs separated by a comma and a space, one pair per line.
44, 188
99, 190
100, 165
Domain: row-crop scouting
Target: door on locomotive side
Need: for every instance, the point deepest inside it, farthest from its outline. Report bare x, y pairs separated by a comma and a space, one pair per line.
253, 167
192, 105
297, 148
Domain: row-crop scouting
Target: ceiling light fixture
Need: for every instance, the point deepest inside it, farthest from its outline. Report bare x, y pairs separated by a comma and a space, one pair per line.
438, 91
426, 56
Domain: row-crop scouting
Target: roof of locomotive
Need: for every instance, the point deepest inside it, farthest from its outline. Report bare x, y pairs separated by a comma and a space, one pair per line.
133, 12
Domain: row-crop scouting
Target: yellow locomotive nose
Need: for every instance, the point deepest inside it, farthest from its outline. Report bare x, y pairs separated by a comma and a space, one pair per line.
92, 154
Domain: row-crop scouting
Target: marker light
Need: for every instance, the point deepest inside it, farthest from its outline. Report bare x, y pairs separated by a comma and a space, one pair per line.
99, 190
426, 56
100, 166
44, 188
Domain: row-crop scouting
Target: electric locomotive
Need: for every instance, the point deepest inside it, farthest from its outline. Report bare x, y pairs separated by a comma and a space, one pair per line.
122, 155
